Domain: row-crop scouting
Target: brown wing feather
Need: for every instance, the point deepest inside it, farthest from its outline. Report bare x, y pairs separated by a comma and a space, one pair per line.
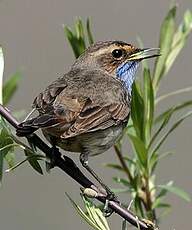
97, 118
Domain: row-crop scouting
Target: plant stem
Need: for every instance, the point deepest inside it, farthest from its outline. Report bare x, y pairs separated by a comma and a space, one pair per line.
123, 164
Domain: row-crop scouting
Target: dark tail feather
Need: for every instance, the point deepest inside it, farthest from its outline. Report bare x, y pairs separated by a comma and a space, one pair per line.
28, 127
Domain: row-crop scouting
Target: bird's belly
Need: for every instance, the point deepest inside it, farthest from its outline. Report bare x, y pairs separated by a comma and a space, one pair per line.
94, 142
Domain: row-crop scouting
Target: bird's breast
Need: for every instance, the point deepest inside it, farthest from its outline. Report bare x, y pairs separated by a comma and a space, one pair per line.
94, 142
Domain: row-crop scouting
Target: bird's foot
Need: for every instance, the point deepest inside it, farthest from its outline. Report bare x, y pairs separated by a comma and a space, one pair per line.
107, 211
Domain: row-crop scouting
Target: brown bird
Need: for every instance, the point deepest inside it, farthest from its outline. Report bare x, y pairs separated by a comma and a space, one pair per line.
87, 109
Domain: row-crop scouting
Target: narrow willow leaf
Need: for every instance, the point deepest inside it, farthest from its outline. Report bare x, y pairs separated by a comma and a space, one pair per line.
177, 191
102, 222
96, 214
166, 118
121, 181
140, 150
88, 206
10, 87
130, 161
72, 41
1, 166
163, 155
80, 35
115, 166
148, 104
1, 74
138, 207
176, 92
83, 214
5, 147
37, 157
179, 39
163, 191
175, 125
137, 111
33, 161
89, 33
172, 110
153, 160
166, 39
77, 39
159, 204
120, 190
10, 158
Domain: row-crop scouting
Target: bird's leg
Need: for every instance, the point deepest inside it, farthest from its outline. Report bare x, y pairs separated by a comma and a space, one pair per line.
110, 194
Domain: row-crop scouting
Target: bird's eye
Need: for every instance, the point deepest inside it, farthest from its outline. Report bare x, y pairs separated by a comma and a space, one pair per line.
117, 53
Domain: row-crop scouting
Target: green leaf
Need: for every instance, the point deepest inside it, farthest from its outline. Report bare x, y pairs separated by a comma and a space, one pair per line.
77, 38
121, 181
72, 40
159, 204
10, 158
148, 104
87, 218
33, 161
176, 92
10, 87
140, 150
154, 159
37, 157
95, 214
89, 33
80, 35
137, 111
5, 147
115, 166
163, 191
172, 110
166, 39
179, 39
1, 74
174, 126
177, 191
166, 118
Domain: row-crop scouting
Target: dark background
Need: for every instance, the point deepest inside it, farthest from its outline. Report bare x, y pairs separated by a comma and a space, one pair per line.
31, 34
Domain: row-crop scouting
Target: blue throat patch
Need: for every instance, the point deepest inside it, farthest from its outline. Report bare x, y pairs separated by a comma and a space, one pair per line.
126, 73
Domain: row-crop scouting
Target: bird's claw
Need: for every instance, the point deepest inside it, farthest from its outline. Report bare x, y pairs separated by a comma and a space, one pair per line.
107, 211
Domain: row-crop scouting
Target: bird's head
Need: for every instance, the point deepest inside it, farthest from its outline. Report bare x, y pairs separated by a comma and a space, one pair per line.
117, 58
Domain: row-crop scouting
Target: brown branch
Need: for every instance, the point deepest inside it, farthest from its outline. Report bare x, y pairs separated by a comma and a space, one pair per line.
68, 166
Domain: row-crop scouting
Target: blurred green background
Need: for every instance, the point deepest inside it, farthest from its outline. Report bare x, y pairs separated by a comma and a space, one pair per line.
31, 34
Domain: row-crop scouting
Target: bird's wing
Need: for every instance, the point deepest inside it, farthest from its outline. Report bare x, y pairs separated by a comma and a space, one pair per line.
70, 114
93, 118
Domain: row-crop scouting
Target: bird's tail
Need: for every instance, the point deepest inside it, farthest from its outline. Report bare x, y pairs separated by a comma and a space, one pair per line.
29, 126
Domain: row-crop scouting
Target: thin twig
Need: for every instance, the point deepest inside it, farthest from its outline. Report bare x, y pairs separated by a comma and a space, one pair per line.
123, 164
67, 165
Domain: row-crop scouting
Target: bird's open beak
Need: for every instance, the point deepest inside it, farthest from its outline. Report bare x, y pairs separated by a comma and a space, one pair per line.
141, 54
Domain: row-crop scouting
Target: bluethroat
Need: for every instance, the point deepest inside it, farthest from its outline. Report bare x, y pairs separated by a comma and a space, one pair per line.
87, 109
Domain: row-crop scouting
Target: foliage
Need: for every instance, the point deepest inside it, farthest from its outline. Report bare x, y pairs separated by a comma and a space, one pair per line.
146, 131
9, 143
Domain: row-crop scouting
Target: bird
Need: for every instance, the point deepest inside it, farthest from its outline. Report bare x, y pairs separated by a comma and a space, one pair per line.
87, 109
